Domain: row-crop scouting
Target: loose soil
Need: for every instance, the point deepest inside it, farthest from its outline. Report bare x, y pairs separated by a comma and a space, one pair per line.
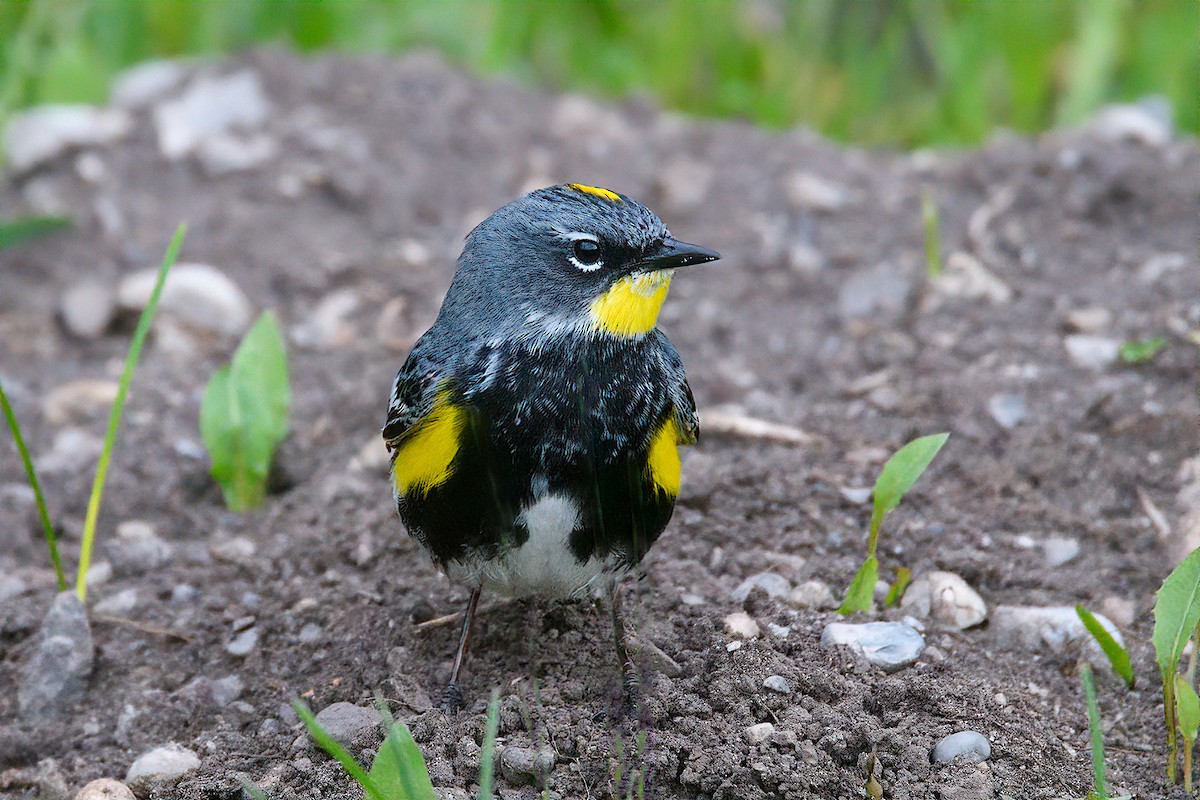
819, 317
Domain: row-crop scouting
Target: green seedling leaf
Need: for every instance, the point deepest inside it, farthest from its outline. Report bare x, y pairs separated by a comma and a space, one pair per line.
31, 476
487, 758
14, 232
1099, 780
933, 239
898, 588
399, 769
114, 419
244, 415
339, 753
862, 589
899, 474
1176, 613
253, 791
1141, 352
1188, 711
1118, 656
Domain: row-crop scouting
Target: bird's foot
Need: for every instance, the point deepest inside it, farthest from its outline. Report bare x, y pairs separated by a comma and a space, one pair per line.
452, 700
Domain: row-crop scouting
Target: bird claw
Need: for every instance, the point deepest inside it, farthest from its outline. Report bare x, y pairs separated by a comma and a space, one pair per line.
452, 700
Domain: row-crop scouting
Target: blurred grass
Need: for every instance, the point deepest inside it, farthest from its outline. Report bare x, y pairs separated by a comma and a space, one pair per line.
901, 73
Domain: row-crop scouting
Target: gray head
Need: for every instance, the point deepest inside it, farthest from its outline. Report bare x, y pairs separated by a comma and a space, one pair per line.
566, 258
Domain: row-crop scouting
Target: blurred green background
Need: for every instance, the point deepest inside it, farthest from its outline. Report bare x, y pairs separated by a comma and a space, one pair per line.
896, 73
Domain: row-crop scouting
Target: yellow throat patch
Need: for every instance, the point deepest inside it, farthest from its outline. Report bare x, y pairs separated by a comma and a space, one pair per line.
425, 458
662, 461
605, 194
630, 307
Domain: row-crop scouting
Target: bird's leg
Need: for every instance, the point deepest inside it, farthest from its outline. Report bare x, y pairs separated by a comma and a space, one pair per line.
452, 696
630, 683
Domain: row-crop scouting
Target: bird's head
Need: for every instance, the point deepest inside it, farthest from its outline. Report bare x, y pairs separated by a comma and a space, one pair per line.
570, 258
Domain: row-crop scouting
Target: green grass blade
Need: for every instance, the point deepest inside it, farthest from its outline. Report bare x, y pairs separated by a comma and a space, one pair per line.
1177, 611
399, 769
253, 791
1099, 780
862, 589
898, 475
114, 419
898, 588
339, 753
13, 232
933, 238
1139, 352
487, 758
1118, 656
31, 474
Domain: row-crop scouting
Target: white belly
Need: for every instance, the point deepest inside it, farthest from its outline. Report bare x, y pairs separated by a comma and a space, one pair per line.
544, 565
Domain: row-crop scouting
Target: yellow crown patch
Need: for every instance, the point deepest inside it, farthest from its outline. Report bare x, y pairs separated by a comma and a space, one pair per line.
611, 197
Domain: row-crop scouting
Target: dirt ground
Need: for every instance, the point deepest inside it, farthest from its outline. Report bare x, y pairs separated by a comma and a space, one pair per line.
820, 317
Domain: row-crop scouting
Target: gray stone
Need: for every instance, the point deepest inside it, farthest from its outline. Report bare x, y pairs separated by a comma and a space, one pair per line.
77, 400
141, 85
1059, 550
968, 745
1008, 409
87, 308
1092, 352
226, 690
777, 683
526, 764
772, 583
198, 294
812, 594
1045, 628
137, 548
209, 107
327, 326
70, 448
161, 765
58, 668
225, 153
244, 643
742, 624
105, 789
888, 645
41, 134
353, 726
757, 734
12, 586
1146, 122
117, 605
946, 598
965, 276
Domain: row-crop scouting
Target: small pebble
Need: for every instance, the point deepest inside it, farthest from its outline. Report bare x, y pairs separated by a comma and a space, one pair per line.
198, 294
777, 683
87, 308
968, 745
353, 726
1007, 409
889, 645
946, 598
105, 789
162, 765
1045, 628
1092, 352
119, 604
1059, 550
56, 671
526, 764
812, 594
774, 584
243, 643
757, 734
742, 624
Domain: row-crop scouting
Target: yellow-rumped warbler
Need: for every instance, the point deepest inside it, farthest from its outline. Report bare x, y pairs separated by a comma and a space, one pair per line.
534, 429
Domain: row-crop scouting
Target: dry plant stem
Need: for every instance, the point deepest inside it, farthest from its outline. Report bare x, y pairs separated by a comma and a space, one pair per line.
27, 461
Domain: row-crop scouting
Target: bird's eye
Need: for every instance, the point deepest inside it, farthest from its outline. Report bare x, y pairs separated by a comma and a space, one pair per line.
586, 254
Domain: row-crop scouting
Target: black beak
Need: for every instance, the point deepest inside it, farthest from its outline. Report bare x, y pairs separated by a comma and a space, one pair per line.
672, 254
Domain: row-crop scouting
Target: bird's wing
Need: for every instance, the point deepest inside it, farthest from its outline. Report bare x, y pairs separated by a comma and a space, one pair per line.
685, 412
413, 395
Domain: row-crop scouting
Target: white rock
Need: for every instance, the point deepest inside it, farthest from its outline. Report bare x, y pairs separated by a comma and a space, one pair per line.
1045, 628
965, 276
162, 765
235, 550
946, 598
373, 456
117, 605
968, 745
814, 193
70, 448
105, 789
757, 734
210, 106
244, 643
1120, 610
1147, 122
327, 326
144, 83
87, 308
77, 400
1059, 550
777, 683
223, 153
888, 645
774, 584
855, 494
1160, 264
1007, 409
812, 594
137, 547
1092, 352
41, 134
742, 624
1089, 319
12, 586
195, 293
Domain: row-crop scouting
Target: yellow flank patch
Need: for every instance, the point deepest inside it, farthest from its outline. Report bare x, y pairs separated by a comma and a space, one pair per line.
662, 462
425, 457
612, 197
630, 307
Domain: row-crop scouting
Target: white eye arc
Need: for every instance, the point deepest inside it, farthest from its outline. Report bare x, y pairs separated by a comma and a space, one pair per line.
585, 252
